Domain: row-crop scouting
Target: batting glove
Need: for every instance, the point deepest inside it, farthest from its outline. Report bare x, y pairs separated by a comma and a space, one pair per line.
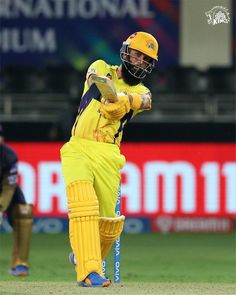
115, 110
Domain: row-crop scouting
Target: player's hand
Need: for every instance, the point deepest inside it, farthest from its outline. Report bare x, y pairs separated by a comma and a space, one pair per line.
115, 110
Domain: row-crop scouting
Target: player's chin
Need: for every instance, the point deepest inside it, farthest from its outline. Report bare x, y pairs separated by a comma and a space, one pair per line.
128, 78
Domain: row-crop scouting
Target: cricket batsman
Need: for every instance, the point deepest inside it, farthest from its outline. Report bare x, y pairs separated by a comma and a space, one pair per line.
19, 213
91, 160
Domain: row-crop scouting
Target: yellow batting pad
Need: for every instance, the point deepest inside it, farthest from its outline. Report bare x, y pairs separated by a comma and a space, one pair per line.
84, 228
22, 228
82, 200
110, 230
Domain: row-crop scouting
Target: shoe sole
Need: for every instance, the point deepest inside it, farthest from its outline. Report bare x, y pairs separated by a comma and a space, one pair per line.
104, 285
21, 274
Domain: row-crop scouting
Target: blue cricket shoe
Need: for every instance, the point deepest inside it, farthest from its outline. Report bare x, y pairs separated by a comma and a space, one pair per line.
19, 271
93, 279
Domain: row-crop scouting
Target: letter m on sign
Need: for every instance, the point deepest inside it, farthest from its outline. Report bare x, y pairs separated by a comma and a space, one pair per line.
169, 171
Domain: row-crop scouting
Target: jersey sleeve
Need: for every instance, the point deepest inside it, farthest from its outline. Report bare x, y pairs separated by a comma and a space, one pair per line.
10, 166
8, 179
12, 174
140, 89
99, 68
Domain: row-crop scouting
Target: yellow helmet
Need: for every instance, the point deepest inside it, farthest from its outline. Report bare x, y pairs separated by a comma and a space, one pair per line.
144, 43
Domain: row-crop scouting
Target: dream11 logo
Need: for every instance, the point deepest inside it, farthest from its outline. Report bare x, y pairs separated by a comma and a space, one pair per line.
145, 187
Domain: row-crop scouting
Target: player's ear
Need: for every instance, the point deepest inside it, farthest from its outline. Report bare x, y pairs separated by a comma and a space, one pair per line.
125, 55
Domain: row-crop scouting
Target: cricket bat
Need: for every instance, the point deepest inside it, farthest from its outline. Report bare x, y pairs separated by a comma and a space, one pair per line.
106, 87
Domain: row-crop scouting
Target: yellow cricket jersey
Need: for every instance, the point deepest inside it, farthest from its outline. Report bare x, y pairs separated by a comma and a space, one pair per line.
90, 124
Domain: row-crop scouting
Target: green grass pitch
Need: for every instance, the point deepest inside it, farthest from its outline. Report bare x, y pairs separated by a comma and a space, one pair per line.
148, 261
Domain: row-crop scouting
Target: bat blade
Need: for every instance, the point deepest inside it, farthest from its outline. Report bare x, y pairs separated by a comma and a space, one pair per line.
106, 87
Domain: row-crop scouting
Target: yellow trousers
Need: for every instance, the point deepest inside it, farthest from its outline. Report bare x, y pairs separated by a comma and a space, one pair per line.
95, 162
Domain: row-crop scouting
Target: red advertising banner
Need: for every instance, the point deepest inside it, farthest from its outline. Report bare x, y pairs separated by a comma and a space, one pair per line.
159, 179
